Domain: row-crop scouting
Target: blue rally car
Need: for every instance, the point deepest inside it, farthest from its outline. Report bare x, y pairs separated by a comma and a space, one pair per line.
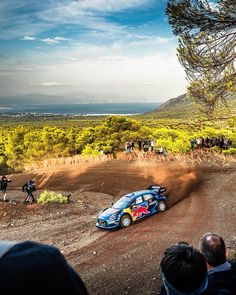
133, 207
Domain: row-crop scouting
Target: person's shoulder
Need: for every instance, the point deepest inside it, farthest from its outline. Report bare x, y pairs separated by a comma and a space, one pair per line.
233, 264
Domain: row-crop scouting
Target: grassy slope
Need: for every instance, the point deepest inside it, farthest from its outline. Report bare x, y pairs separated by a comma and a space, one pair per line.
181, 107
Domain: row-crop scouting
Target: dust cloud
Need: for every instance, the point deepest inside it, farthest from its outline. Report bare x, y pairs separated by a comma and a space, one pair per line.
180, 180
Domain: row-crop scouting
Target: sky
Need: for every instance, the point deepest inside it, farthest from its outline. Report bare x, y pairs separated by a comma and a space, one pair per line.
115, 50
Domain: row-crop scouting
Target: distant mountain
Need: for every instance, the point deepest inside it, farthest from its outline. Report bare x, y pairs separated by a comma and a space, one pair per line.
40, 99
180, 107
70, 98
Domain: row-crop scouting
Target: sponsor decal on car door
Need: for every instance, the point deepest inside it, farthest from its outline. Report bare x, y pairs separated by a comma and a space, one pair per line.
139, 208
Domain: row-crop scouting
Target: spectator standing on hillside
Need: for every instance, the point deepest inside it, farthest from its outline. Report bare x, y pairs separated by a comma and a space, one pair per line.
221, 273
35, 269
131, 146
192, 142
198, 141
145, 147
127, 148
184, 271
4, 182
29, 188
139, 145
152, 144
161, 150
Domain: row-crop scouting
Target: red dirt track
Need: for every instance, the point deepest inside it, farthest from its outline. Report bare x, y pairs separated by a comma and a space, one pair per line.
122, 261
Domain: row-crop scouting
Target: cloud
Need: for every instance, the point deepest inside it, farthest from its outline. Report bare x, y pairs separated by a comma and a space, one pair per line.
53, 41
111, 5
19, 18
51, 84
49, 41
150, 40
28, 38
61, 39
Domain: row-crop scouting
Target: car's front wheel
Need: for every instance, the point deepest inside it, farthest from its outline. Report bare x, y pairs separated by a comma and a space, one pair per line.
125, 221
161, 206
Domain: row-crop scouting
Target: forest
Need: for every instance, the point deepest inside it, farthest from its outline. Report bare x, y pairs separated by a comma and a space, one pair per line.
23, 144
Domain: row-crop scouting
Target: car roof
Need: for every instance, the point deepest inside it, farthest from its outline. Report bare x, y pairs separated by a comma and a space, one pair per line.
134, 195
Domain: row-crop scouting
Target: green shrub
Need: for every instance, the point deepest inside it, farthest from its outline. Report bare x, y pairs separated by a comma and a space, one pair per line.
51, 197
231, 151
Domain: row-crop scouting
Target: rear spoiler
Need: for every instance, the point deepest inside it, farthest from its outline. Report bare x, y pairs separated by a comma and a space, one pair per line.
158, 188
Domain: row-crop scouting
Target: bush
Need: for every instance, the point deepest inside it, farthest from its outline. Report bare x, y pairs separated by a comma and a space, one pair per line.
51, 197
231, 151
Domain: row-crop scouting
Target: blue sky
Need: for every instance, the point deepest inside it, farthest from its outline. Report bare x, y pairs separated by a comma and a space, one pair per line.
121, 50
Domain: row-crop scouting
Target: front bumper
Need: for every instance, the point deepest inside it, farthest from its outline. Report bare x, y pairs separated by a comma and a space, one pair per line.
105, 224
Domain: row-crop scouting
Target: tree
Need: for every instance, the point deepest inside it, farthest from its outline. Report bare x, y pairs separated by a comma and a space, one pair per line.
210, 93
207, 41
194, 16
15, 147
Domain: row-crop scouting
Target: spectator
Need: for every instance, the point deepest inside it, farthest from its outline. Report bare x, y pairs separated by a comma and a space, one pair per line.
127, 148
131, 144
221, 273
139, 145
165, 154
198, 141
152, 144
145, 146
34, 269
29, 188
202, 142
184, 271
160, 150
4, 181
192, 142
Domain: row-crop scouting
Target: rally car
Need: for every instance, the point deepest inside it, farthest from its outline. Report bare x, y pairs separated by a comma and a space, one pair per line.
132, 207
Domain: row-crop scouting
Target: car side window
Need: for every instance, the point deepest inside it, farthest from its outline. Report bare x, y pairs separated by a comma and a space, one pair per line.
139, 200
147, 197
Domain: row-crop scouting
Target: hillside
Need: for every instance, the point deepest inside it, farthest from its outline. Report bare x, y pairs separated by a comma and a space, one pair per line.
181, 107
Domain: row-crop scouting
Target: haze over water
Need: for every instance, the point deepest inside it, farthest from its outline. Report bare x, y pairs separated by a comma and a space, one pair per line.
85, 109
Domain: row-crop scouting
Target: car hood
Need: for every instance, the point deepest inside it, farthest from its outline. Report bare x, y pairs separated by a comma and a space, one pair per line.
108, 212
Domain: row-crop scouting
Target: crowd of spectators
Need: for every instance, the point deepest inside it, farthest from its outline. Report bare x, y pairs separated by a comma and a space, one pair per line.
184, 269
149, 146
145, 147
204, 143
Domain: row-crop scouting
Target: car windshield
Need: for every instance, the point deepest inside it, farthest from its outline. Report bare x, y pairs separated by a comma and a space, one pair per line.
122, 203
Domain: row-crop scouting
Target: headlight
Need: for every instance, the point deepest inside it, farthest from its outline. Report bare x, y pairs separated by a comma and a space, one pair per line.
112, 217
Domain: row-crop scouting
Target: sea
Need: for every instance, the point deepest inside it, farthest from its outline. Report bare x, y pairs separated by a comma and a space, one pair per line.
98, 109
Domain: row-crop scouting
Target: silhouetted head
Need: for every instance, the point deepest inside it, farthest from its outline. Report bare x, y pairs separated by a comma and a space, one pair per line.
213, 248
184, 270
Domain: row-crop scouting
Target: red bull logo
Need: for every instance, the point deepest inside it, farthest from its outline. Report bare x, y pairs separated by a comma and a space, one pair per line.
140, 211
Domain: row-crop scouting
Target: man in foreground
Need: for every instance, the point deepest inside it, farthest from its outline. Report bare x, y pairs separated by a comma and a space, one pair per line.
221, 273
34, 269
184, 271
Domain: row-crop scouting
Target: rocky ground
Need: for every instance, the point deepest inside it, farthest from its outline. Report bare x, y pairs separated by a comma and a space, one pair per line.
126, 261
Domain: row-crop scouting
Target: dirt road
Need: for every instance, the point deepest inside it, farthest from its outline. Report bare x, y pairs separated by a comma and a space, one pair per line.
122, 261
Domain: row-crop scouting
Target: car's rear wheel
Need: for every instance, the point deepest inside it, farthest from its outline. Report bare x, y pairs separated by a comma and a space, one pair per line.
161, 206
125, 221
